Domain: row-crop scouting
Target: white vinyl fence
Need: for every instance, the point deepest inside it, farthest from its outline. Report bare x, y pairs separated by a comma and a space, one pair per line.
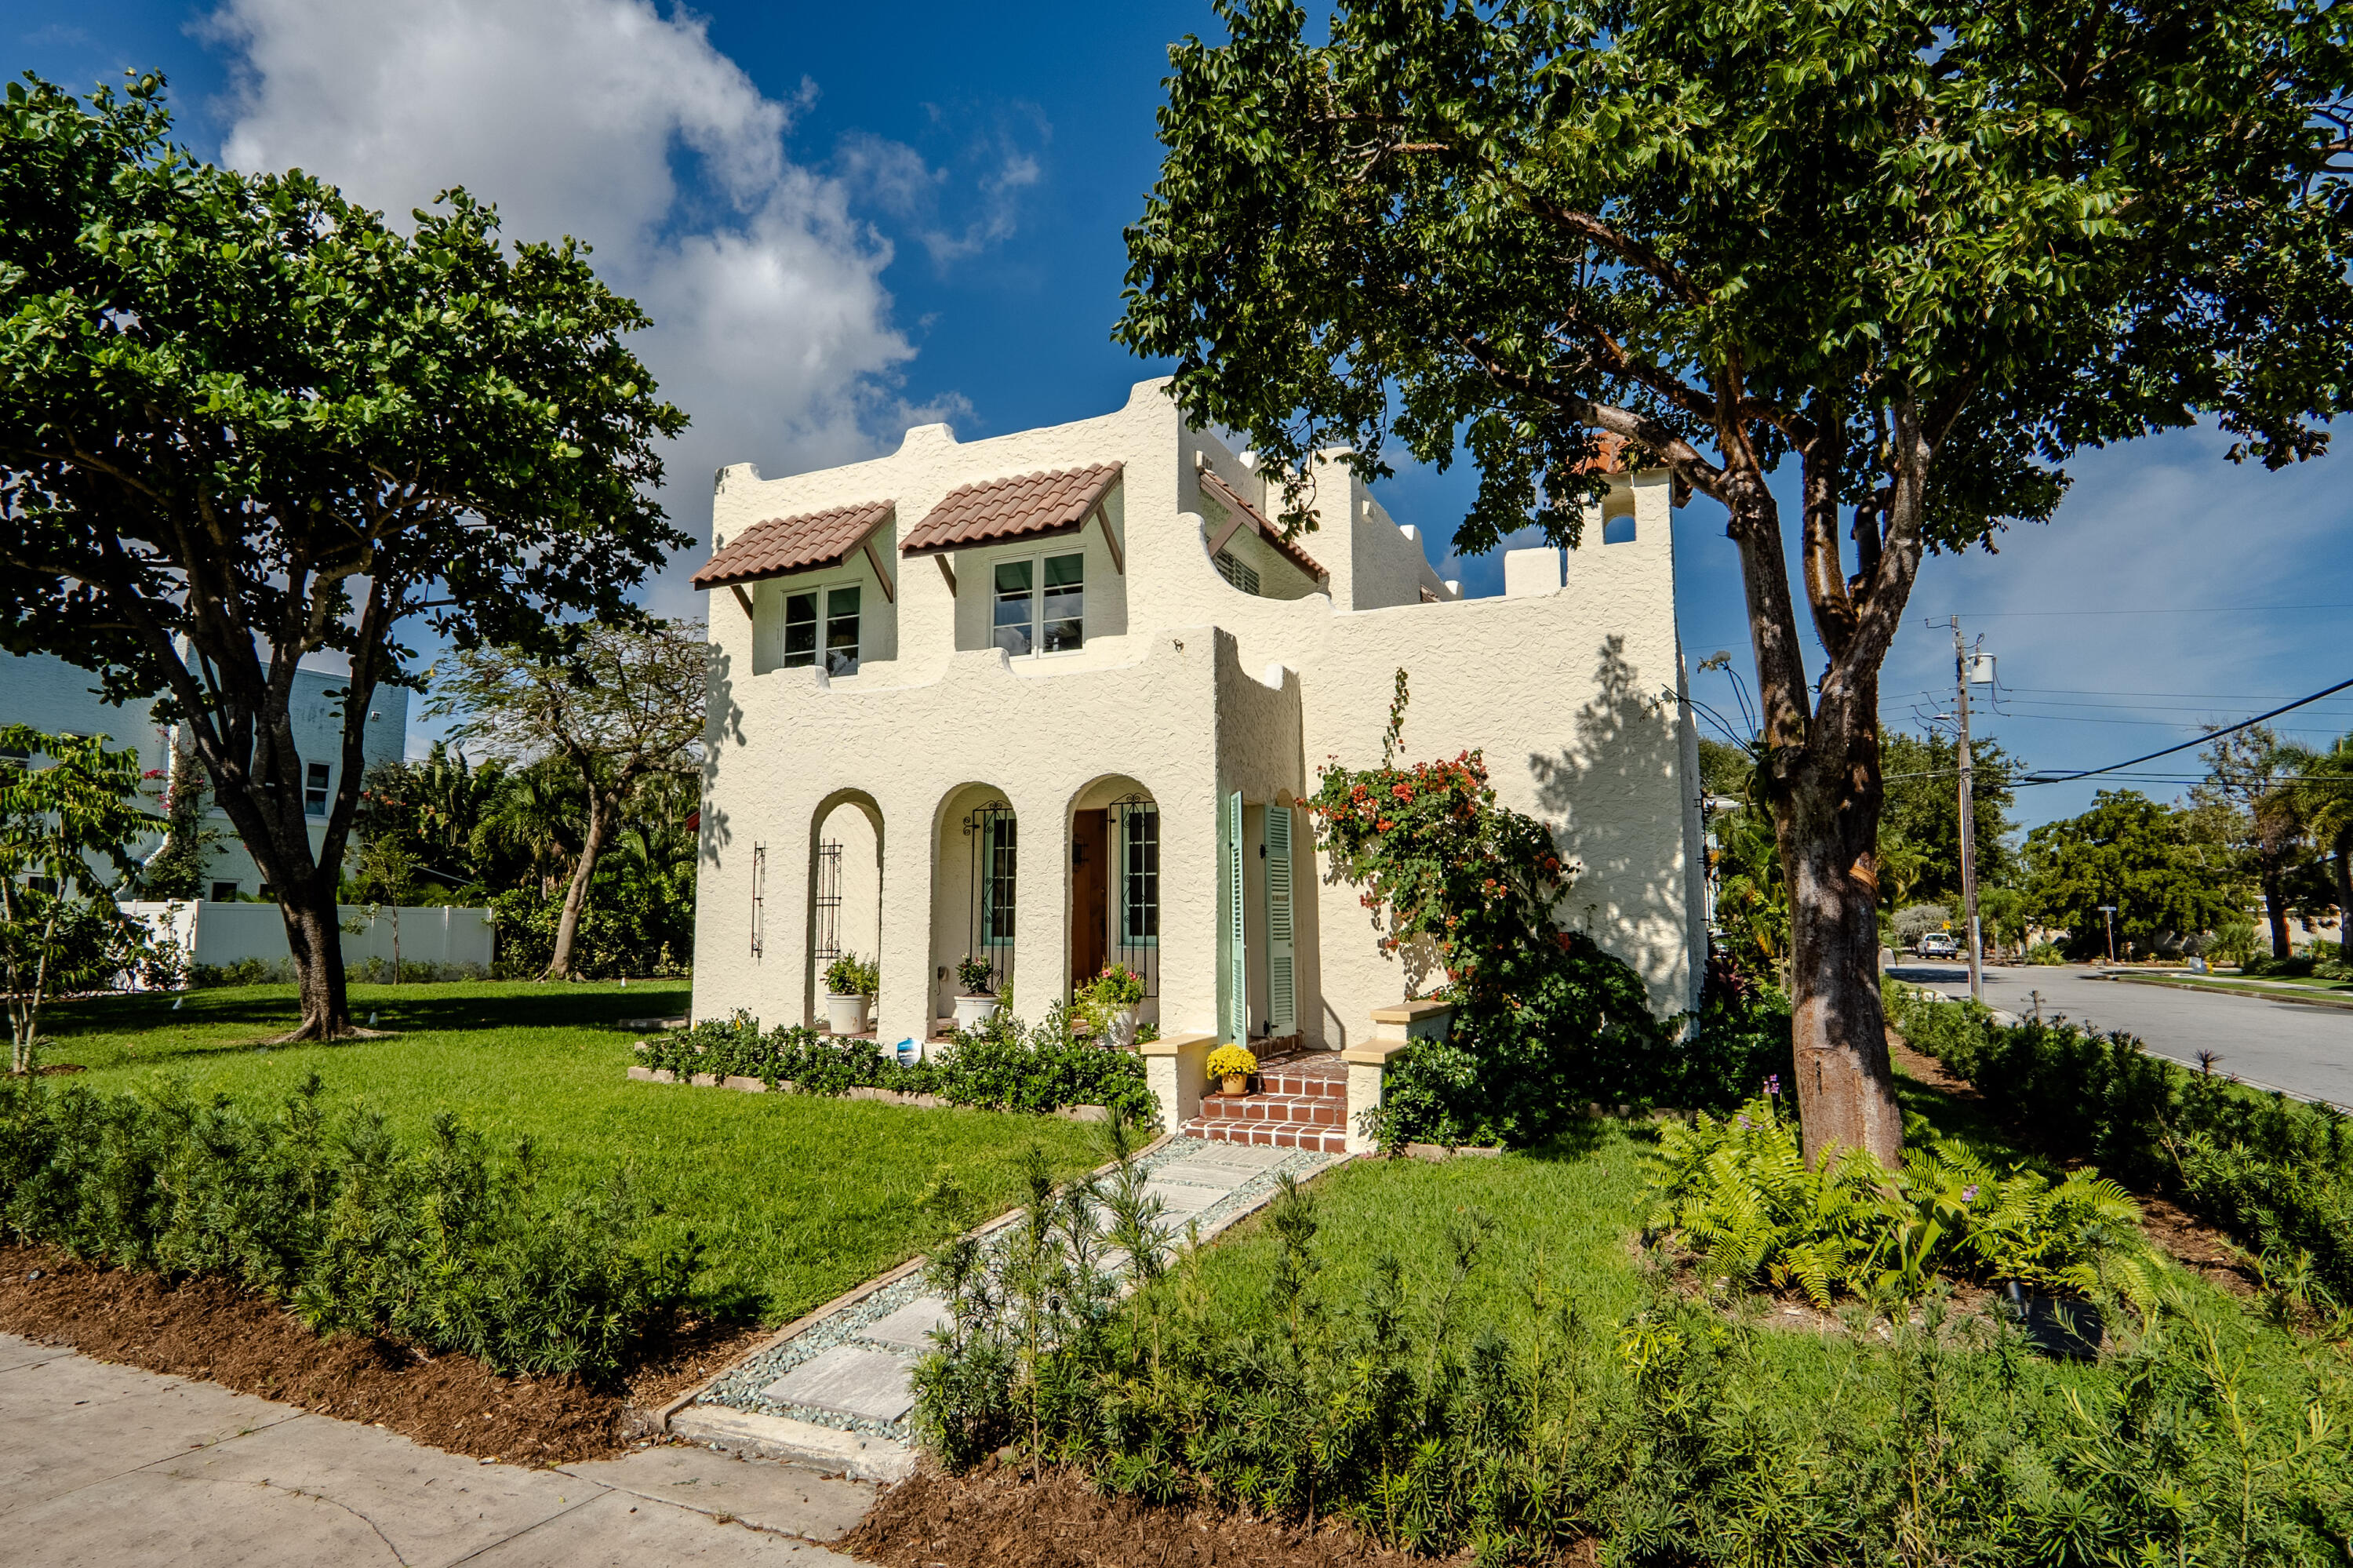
431, 938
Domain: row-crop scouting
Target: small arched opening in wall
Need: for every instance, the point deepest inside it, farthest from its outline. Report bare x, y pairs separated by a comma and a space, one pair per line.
844, 884
1618, 530
976, 890
1113, 890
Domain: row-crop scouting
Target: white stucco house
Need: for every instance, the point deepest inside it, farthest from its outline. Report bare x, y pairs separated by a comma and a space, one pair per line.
1051, 699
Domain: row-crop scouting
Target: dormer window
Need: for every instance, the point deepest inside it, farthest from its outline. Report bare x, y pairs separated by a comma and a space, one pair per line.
1234, 572
1041, 604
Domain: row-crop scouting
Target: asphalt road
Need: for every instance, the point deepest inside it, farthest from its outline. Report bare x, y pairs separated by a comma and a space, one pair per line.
2306, 1050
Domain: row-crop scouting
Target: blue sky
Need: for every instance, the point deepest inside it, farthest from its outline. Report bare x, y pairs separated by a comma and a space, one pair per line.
849, 219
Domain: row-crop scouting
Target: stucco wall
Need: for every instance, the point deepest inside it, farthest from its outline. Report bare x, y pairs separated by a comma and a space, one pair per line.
1191, 689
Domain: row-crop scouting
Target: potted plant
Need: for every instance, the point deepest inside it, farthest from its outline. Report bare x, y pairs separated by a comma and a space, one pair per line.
975, 994
1233, 1066
1113, 1001
850, 983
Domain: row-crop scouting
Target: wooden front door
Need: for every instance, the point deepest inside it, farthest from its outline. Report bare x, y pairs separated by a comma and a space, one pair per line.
1089, 894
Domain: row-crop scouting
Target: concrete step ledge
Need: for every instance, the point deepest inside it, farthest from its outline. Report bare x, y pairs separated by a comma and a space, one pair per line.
851, 1454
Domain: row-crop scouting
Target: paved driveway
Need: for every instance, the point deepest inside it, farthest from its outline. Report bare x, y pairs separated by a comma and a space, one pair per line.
2307, 1050
110, 1467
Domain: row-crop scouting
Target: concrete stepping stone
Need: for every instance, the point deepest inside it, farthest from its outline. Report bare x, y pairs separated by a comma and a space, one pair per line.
1200, 1173
849, 1380
912, 1325
1178, 1199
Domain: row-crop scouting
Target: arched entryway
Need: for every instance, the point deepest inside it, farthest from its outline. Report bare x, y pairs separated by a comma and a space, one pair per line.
845, 883
1115, 883
976, 890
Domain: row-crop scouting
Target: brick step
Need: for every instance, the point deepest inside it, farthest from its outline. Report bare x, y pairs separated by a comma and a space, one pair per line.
1318, 1086
1269, 1135
1311, 1110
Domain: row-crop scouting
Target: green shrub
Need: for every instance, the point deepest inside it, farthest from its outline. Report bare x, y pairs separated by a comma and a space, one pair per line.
443, 1246
1672, 1434
1544, 1022
1002, 1067
2045, 953
1739, 1193
633, 925
997, 1066
244, 972
2300, 966
2274, 1172
2233, 942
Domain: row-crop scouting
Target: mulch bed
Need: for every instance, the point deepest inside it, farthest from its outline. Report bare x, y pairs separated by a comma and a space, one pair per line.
992, 1518
212, 1330
2172, 1229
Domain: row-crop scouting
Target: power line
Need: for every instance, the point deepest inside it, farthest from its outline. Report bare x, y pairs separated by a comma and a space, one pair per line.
2216, 734
2173, 610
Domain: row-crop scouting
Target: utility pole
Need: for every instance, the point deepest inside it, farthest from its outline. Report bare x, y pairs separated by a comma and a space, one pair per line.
2109, 910
1968, 817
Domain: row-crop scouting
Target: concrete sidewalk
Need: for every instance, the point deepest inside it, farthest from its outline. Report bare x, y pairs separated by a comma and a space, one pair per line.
103, 1465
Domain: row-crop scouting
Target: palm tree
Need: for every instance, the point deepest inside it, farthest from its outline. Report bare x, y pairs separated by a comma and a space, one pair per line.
2320, 792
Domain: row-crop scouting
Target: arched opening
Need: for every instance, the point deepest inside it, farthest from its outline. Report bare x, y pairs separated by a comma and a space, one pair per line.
1115, 884
1619, 530
845, 883
976, 892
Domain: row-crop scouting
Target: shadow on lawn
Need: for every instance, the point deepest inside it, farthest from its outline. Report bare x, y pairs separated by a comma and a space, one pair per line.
241, 1017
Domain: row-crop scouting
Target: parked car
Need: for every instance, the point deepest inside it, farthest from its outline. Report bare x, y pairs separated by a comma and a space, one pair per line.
1936, 945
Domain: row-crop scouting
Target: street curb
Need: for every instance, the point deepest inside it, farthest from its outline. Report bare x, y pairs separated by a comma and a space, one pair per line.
2340, 1004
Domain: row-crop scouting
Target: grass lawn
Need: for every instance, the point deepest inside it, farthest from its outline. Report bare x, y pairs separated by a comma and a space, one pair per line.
794, 1198
1566, 1215
2265, 986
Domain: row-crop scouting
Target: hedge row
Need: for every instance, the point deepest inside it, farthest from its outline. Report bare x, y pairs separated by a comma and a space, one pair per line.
1000, 1065
2272, 1172
443, 1246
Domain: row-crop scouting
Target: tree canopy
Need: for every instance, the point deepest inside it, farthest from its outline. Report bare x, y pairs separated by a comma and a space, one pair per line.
624, 710
244, 421
2166, 877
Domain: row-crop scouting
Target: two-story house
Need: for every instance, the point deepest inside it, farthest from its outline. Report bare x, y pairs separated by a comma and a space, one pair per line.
1051, 699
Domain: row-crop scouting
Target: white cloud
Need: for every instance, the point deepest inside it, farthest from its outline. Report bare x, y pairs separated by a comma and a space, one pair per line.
613, 122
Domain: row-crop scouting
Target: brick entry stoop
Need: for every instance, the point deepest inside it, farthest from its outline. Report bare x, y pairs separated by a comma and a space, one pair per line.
1300, 1102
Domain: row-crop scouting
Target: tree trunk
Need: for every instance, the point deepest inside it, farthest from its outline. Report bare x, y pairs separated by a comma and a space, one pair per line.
1845, 1084
575, 897
2275, 911
314, 938
2344, 858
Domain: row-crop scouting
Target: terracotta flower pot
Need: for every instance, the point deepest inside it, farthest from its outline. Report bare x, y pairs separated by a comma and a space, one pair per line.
1237, 1083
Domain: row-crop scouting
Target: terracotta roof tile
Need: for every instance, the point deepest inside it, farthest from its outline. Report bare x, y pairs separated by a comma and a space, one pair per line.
1267, 531
1027, 506
782, 545
1609, 455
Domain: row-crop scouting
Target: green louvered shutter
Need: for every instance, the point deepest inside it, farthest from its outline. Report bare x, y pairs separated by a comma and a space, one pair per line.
1282, 985
1236, 1019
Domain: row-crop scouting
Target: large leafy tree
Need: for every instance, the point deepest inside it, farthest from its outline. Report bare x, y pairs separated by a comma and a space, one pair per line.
2162, 870
1921, 814
623, 710
2251, 778
244, 422
1918, 250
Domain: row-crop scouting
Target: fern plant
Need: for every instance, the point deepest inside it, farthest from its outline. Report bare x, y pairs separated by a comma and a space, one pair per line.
1738, 1194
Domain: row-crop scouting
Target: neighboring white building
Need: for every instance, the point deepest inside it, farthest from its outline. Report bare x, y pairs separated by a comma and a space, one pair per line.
1051, 698
57, 698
